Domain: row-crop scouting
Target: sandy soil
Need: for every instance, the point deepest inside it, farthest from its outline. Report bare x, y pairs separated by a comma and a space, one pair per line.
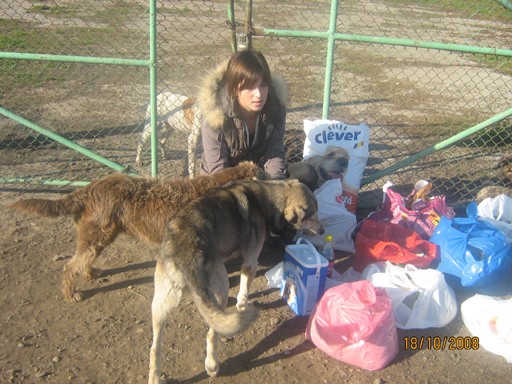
106, 338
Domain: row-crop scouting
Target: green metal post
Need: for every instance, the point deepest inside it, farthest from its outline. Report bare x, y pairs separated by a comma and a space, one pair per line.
153, 87
329, 59
231, 22
248, 24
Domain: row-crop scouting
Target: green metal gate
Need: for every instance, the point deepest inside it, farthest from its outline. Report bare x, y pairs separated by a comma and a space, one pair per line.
431, 78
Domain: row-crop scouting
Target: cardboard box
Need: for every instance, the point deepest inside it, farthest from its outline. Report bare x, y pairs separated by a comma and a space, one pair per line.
304, 275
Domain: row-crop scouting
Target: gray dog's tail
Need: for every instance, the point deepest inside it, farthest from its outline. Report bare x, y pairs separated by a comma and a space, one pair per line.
224, 323
68, 205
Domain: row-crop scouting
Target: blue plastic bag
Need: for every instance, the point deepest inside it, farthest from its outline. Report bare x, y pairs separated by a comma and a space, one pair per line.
475, 251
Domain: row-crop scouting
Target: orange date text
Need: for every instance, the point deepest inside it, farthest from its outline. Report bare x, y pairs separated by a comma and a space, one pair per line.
441, 343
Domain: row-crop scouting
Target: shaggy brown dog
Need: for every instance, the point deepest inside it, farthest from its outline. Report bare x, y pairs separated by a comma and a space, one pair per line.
119, 203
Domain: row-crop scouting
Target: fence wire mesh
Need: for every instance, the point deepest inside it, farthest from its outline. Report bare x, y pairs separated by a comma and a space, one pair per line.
412, 98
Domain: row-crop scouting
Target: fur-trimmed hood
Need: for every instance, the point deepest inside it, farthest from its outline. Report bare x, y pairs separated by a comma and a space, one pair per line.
213, 101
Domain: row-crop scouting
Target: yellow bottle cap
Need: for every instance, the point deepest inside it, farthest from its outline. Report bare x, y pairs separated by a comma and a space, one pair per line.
328, 238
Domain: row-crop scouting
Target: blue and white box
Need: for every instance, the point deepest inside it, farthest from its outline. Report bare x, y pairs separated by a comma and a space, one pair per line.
304, 275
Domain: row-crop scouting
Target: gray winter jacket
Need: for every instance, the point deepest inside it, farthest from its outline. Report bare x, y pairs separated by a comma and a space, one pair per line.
223, 134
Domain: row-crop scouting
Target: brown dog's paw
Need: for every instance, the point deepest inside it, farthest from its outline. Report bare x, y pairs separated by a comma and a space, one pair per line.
93, 273
73, 298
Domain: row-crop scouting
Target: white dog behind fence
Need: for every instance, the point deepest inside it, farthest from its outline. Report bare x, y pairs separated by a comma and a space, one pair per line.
175, 113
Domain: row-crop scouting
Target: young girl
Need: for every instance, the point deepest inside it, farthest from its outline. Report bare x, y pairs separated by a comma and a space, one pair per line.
243, 115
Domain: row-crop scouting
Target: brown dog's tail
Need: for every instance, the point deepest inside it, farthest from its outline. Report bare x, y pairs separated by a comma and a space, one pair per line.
224, 323
68, 205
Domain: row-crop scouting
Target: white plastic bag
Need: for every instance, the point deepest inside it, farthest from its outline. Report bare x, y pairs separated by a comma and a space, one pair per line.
498, 211
490, 319
349, 276
275, 276
421, 297
335, 218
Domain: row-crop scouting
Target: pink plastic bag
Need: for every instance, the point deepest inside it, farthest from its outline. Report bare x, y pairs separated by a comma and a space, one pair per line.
422, 217
354, 323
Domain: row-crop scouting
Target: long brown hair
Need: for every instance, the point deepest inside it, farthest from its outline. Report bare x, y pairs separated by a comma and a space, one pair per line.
245, 68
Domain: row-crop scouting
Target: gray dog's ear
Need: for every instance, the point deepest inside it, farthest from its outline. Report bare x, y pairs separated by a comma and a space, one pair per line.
279, 221
294, 215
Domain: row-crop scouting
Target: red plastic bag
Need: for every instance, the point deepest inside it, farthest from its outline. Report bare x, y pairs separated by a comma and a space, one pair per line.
378, 241
354, 323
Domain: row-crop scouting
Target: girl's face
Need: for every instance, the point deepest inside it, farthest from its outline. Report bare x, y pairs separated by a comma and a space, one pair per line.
253, 98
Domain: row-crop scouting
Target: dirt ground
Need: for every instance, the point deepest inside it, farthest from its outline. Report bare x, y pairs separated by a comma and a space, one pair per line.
106, 338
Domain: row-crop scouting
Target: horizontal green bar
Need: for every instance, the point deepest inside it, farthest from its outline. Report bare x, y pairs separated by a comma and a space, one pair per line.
62, 140
436, 147
74, 59
56, 183
387, 41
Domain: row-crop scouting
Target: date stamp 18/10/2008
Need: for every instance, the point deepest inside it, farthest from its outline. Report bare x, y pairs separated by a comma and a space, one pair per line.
441, 343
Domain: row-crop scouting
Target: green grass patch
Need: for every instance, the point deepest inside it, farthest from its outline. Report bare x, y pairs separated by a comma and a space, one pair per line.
21, 37
121, 12
502, 64
14, 39
475, 9
115, 13
54, 10
184, 11
22, 74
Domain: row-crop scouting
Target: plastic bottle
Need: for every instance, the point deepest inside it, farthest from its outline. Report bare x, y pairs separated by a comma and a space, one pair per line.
328, 252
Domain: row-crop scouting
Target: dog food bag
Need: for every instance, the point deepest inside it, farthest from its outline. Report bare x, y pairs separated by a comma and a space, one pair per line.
304, 275
333, 139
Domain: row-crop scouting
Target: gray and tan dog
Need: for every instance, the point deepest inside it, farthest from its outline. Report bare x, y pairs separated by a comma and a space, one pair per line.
227, 222
119, 203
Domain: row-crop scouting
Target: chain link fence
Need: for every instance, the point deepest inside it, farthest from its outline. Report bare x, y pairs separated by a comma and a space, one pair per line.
412, 97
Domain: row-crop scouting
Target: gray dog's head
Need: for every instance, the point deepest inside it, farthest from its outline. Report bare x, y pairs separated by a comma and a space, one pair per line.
301, 209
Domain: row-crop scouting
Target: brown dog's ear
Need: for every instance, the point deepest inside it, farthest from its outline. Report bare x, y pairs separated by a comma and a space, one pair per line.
294, 215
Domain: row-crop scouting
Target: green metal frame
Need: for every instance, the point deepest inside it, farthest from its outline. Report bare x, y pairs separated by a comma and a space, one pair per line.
149, 63
331, 36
